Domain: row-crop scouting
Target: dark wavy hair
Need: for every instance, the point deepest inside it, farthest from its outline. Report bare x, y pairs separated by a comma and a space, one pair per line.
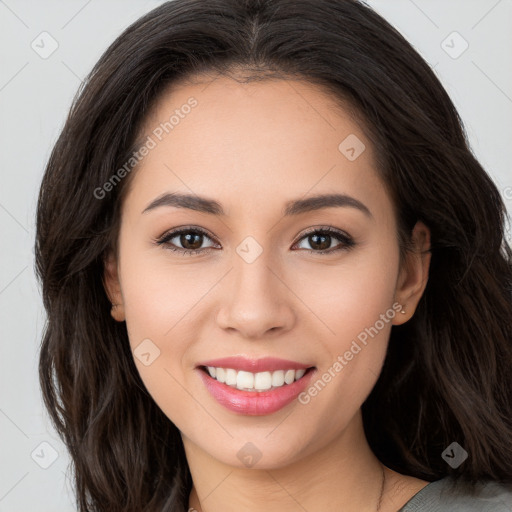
448, 371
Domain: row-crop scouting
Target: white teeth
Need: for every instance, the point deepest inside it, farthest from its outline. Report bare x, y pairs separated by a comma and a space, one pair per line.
261, 381
244, 380
289, 376
220, 374
230, 377
299, 373
278, 378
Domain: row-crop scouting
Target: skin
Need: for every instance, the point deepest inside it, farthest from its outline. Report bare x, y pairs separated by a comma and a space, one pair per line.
253, 147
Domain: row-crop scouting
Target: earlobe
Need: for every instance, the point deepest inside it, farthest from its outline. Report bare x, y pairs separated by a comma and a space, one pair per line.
112, 286
117, 312
413, 276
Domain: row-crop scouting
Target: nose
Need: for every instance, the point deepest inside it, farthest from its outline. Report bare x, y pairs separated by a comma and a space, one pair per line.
256, 301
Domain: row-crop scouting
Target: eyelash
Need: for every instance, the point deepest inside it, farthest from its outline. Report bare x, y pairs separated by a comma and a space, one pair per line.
347, 242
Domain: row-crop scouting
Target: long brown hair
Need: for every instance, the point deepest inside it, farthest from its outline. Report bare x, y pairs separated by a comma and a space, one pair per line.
448, 372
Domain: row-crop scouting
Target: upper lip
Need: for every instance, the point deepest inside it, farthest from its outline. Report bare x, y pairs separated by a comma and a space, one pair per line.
263, 364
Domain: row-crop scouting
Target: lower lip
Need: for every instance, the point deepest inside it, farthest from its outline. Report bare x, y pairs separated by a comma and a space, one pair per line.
254, 403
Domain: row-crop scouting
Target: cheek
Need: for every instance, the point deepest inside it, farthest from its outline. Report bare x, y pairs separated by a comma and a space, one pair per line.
158, 294
350, 294
161, 302
158, 304
354, 304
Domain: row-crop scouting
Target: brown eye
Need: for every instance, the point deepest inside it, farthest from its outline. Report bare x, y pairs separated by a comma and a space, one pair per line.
320, 240
187, 241
191, 241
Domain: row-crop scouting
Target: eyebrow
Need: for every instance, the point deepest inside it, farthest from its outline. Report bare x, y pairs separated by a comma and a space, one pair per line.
295, 207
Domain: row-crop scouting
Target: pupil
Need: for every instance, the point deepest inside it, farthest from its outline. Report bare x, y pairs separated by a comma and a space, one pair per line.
323, 245
185, 239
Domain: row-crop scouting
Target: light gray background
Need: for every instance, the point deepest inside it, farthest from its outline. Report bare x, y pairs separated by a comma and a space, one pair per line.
35, 95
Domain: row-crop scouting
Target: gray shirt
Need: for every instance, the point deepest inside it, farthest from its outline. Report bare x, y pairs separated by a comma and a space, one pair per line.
437, 496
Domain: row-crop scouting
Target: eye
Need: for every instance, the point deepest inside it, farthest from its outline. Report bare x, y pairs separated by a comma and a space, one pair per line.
321, 239
190, 239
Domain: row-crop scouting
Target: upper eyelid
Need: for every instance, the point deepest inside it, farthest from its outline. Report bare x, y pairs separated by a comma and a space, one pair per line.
176, 231
186, 229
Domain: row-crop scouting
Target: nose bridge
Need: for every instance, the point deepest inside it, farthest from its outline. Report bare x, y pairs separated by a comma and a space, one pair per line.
255, 285
257, 300
254, 281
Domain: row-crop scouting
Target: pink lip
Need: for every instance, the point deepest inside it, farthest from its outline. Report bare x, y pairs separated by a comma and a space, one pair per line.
265, 364
254, 403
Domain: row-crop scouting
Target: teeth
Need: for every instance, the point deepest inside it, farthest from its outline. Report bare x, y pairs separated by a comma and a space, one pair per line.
299, 373
220, 374
244, 380
230, 377
289, 376
278, 378
261, 381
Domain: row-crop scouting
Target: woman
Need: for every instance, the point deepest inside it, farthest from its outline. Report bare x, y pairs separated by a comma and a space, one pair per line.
276, 277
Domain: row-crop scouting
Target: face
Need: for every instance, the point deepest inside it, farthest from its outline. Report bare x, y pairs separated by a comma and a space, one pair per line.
262, 279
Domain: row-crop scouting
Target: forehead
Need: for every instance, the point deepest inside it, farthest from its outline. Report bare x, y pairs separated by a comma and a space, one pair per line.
222, 138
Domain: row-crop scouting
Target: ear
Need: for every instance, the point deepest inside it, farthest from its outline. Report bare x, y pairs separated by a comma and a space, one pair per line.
413, 275
112, 287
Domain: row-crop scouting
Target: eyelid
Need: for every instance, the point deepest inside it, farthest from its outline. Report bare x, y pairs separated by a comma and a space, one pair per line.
324, 228
171, 233
346, 240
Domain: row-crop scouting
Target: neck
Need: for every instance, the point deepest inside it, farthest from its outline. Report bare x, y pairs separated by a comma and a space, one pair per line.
344, 475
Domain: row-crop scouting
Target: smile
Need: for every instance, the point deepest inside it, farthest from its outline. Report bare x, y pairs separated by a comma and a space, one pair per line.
255, 387
256, 382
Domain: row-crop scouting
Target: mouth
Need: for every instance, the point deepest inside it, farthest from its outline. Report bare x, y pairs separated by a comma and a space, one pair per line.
270, 387
255, 382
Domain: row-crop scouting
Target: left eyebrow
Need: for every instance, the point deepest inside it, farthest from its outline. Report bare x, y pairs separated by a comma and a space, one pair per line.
295, 207
325, 201
191, 202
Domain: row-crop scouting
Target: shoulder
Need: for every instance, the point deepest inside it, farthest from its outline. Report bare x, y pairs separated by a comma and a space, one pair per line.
444, 496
